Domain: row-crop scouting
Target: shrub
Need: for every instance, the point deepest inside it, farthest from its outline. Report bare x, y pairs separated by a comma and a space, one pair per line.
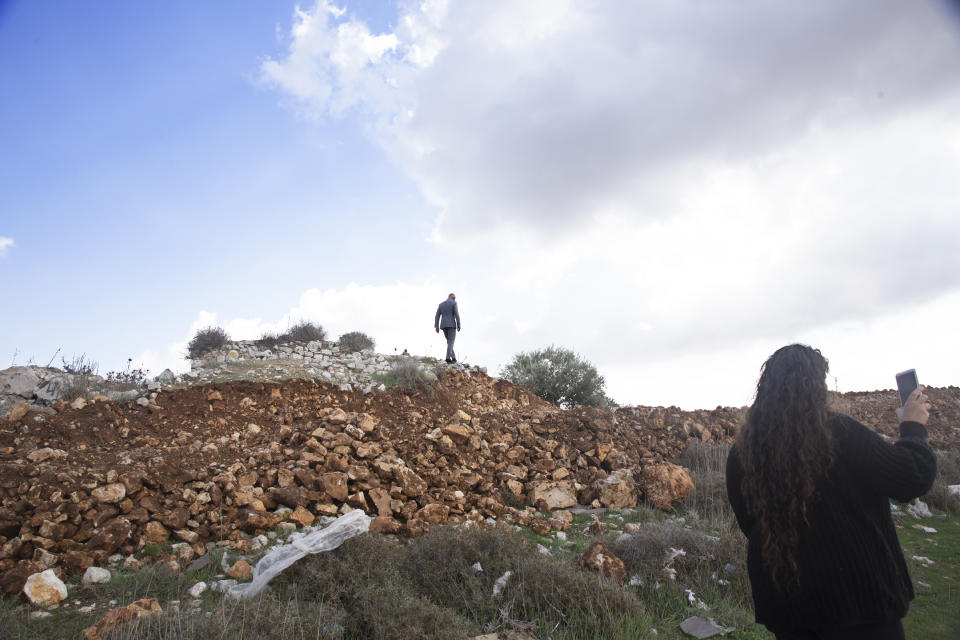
82, 373
207, 340
128, 379
948, 473
408, 376
647, 554
268, 340
303, 331
356, 341
429, 588
559, 376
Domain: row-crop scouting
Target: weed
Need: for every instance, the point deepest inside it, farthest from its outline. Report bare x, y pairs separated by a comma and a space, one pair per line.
304, 331
83, 372
409, 376
707, 464
128, 379
207, 340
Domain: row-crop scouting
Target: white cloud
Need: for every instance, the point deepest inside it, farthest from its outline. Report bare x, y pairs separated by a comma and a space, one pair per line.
664, 182
173, 357
5, 244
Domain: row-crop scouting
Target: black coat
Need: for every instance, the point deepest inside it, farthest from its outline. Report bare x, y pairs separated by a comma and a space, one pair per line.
851, 566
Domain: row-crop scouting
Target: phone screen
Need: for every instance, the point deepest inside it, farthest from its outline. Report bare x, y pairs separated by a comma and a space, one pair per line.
906, 383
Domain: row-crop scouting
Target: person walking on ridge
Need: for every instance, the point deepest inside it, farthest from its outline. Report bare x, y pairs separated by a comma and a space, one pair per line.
448, 319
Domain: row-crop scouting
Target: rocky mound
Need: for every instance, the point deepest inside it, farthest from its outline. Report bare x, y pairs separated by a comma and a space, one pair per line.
220, 462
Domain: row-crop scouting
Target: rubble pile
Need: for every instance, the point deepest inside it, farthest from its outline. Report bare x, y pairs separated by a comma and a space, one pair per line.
220, 463
223, 462
877, 409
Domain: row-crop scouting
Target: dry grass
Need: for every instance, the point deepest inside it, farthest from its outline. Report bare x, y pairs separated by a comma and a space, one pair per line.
948, 473
707, 463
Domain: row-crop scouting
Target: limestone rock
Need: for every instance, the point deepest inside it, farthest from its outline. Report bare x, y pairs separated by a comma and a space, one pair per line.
41, 455
434, 512
197, 590
665, 484
19, 381
18, 411
619, 491
117, 618
412, 484
385, 524
599, 559
302, 516
458, 433
335, 484
337, 416
111, 493
45, 588
548, 496
96, 575
155, 533
241, 570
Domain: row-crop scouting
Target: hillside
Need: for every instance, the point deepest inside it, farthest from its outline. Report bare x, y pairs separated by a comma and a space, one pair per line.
226, 460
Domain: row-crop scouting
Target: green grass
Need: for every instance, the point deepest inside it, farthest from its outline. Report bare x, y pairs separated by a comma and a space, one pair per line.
935, 613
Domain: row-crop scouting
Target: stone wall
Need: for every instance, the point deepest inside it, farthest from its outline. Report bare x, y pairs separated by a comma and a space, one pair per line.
319, 359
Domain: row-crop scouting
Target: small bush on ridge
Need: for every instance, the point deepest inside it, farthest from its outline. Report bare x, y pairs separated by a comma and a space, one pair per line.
356, 341
303, 331
207, 340
408, 376
558, 375
268, 340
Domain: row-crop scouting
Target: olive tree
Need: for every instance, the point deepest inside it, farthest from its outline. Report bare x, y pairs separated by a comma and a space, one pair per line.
558, 375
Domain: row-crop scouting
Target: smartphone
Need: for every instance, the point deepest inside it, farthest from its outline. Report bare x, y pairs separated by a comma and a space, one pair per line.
906, 383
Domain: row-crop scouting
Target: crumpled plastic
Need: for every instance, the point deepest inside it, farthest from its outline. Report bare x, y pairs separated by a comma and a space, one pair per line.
700, 627
300, 545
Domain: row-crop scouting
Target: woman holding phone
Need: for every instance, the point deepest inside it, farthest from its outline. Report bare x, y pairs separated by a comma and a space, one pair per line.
810, 489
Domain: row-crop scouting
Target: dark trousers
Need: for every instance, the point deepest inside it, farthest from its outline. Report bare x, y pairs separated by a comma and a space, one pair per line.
450, 333
887, 630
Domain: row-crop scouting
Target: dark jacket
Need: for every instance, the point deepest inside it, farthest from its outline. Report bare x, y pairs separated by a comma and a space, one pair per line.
851, 566
447, 315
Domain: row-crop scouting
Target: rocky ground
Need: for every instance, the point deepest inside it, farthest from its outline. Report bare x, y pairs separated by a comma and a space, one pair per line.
223, 462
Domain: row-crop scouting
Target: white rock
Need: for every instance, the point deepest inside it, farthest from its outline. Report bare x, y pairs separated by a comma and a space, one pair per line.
501, 583
197, 590
111, 493
954, 489
36, 615
222, 585
143, 401
45, 588
96, 575
919, 509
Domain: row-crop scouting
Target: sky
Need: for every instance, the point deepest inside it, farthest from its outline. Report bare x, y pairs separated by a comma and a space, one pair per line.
672, 188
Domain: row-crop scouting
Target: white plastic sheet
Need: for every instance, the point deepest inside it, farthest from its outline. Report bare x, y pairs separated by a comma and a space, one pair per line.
300, 545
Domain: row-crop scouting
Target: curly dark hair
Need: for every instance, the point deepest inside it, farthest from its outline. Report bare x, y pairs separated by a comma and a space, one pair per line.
786, 447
